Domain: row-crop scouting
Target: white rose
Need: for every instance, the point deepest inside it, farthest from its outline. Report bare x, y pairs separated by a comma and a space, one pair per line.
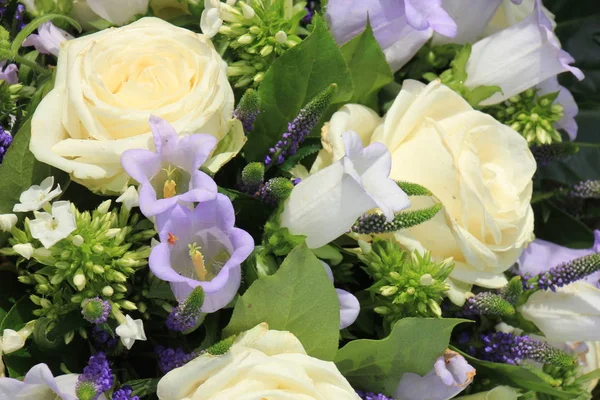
261, 364
478, 168
107, 86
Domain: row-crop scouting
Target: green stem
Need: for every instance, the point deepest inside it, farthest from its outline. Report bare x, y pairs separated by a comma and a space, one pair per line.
544, 196
30, 64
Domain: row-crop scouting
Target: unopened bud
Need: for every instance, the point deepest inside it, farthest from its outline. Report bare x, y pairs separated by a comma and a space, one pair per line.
107, 291
388, 290
104, 206
77, 240
25, 280
118, 277
382, 310
128, 305
69, 337
265, 51
98, 248
79, 281
245, 39
281, 37
434, 307
426, 280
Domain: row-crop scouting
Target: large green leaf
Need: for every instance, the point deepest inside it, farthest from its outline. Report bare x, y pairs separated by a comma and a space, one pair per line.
561, 228
298, 298
20, 170
292, 81
370, 71
412, 346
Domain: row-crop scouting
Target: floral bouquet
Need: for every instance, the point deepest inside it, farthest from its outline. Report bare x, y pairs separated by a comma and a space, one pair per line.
296, 200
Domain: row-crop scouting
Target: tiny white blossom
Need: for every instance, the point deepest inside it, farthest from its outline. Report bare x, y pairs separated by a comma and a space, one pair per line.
130, 198
24, 250
131, 330
281, 37
7, 222
77, 240
50, 228
36, 196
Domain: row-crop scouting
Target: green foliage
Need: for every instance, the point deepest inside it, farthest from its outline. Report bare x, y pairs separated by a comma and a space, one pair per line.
414, 189
222, 347
368, 66
412, 346
277, 239
20, 170
406, 284
292, 81
456, 76
298, 298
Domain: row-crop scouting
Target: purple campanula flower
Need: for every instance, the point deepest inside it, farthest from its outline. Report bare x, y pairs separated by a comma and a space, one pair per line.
48, 39
201, 247
38, 381
450, 375
401, 27
171, 175
349, 305
540, 256
8, 73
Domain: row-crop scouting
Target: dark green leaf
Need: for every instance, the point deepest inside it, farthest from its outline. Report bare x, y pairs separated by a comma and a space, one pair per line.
368, 66
292, 81
298, 298
412, 346
561, 228
304, 152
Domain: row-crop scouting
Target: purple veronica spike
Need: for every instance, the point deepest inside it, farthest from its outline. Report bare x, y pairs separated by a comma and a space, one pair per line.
5, 142
169, 359
541, 256
372, 396
201, 247
510, 349
171, 175
125, 393
9, 73
97, 374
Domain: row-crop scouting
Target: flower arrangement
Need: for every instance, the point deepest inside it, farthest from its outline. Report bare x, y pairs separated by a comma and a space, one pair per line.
289, 199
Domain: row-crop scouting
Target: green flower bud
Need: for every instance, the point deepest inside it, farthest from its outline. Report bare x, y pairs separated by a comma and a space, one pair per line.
25, 280
128, 305
382, 310
108, 291
388, 290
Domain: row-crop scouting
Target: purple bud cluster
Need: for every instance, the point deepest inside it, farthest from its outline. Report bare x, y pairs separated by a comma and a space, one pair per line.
2, 7
5, 142
589, 189
488, 303
125, 393
507, 348
372, 396
311, 8
169, 359
95, 310
19, 16
97, 373
102, 339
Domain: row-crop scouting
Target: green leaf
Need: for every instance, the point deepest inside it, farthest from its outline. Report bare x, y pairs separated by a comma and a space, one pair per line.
368, 66
298, 298
516, 376
160, 290
143, 387
562, 229
33, 25
412, 346
292, 81
11, 290
20, 170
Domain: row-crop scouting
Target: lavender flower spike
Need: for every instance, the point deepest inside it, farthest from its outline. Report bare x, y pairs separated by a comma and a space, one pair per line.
450, 375
96, 379
8, 73
171, 175
541, 256
201, 247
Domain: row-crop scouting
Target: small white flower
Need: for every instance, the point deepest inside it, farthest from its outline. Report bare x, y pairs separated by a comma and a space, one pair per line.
50, 228
130, 198
12, 341
24, 250
210, 21
7, 222
36, 196
79, 281
131, 330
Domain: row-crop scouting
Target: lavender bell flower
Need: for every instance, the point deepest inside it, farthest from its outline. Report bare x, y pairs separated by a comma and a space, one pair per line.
401, 27
8, 73
171, 175
518, 58
48, 39
450, 375
40, 384
540, 256
349, 305
201, 247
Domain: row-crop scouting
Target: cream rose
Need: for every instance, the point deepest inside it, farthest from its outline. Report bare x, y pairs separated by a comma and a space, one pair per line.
109, 83
478, 168
261, 364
